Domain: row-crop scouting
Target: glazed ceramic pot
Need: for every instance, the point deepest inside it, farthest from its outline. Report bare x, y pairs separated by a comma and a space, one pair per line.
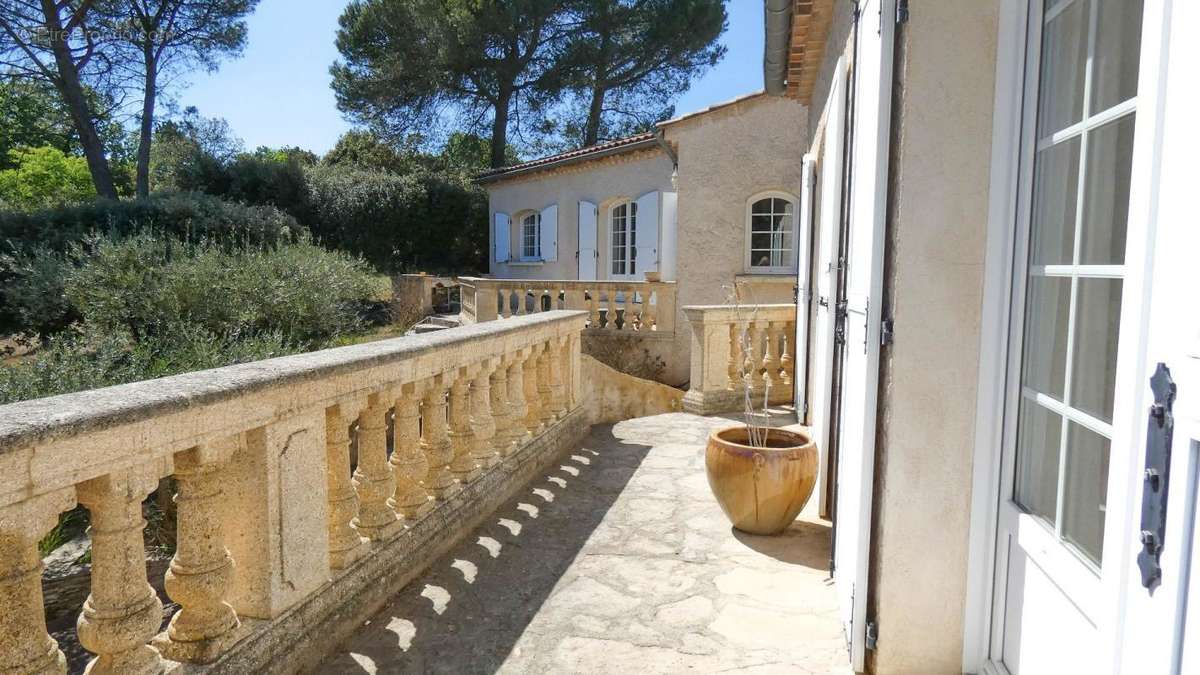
761, 489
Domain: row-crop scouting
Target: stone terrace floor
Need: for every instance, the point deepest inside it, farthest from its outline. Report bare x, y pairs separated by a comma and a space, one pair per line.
618, 561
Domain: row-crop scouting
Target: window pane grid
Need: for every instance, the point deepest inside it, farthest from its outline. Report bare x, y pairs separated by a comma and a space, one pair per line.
772, 224
623, 225
531, 236
1086, 356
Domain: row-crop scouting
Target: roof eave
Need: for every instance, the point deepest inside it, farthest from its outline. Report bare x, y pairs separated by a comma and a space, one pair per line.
645, 144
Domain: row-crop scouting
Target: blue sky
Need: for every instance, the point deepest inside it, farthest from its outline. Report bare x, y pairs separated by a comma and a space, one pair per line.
278, 92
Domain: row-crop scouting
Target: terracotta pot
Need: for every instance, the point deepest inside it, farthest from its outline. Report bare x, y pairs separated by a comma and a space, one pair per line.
761, 490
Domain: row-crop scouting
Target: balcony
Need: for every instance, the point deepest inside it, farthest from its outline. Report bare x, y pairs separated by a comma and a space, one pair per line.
466, 493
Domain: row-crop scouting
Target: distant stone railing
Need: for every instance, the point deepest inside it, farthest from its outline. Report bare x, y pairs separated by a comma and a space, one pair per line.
632, 306
283, 542
720, 357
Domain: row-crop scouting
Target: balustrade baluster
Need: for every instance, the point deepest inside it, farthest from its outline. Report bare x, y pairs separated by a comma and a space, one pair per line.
345, 544
122, 613
462, 439
650, 311
501, 414
411, 450
627, 317
752, 363
28, 648
373, 477
505, 302
533, 400
518, 410
770, 357
482, 424
545, 387
437, 438
201, 570
786, 359
593, 300
558, 377
610, 318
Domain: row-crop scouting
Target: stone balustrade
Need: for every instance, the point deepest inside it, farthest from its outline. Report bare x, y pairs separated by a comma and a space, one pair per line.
634, 306
281, 538
738, 347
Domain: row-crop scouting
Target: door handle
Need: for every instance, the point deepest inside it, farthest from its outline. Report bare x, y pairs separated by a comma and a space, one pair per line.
1159, 431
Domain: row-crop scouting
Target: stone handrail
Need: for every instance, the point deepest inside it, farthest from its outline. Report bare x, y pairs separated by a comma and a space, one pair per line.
261, 457
636, 306
738, 346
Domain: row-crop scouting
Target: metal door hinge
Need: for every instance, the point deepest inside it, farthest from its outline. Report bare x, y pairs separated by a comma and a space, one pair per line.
1160, 430
839, 326
901, 11
872, 635
887, 333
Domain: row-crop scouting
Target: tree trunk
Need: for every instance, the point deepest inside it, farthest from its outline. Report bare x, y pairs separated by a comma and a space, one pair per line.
591, 131
147, 126
71, 90
500, 130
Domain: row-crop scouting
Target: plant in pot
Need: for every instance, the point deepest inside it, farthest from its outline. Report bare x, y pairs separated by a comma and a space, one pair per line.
760, 475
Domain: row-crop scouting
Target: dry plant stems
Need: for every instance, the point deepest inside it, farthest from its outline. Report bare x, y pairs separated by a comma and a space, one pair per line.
756, 432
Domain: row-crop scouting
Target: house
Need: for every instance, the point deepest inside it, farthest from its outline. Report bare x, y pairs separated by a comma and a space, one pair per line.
994, 342
704, 200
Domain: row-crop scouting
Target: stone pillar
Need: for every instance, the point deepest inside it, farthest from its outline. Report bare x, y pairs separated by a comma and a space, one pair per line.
122, 614
734, 368
545, 391
558, 386
201, 571
482, 424
373, 478
517, 408
533, 403
345, 544
501, 414
410, 456
435, 443
25, 647
462, 439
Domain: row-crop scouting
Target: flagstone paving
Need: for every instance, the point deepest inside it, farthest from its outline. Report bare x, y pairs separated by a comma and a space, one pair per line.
617, 561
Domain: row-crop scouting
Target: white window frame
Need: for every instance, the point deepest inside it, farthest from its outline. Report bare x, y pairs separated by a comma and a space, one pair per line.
525, 234
791, 265
629, 247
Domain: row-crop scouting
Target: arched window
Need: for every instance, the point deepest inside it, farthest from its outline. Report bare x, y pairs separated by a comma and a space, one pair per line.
623, 226
771, 234
531, 236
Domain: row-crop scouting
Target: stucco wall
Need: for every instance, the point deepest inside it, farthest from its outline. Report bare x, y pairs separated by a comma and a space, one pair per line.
601, 182
726, 157
941, 148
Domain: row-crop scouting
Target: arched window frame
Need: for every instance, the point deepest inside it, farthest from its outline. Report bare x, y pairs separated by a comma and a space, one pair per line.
786, 265
529, 235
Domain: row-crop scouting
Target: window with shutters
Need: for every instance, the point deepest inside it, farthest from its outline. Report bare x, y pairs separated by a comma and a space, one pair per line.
623, 226
531, 236
771, 234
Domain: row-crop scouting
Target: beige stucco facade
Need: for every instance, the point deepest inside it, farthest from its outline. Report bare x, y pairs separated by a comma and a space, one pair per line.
727, 156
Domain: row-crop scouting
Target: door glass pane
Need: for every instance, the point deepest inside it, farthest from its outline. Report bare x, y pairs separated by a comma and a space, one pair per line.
1064, 55
1085, 489
1046, 335
1056, 182
1094, 357
1039, 436
1106, 193
1115, 63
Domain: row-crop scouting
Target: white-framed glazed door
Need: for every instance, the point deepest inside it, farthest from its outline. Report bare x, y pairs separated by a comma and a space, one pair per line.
622, 221
1075, 342
828, 233
1160, 632
804, 247
864, 291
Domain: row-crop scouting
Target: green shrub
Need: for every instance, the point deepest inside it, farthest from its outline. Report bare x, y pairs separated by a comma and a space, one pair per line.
91, 359
188, 216
32, 294
146, 285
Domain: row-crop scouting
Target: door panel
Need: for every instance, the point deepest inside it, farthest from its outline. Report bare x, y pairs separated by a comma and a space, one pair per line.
799, 341
587, 240
828, 233
864, 285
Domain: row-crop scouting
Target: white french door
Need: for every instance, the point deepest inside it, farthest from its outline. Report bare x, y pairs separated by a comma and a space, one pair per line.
864, 292
1077, 342
828, 233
